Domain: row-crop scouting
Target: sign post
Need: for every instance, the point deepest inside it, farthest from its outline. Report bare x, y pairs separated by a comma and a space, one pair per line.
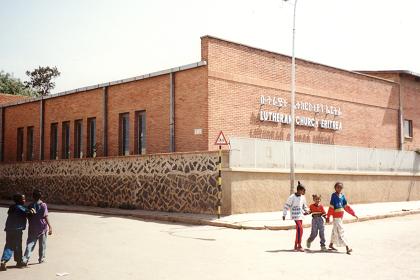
220, 141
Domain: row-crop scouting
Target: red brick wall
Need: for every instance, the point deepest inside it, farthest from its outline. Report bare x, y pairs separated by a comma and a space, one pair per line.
5, 98
384, 75
23, 115
151, 95
73, 107
410, 89
410, 94
191, 110
239, 75
225, 96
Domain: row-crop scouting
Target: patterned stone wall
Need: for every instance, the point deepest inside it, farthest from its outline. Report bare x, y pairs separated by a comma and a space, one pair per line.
173, 182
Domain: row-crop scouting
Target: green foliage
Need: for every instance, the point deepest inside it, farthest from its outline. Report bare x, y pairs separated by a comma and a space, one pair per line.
12, 85
40, 79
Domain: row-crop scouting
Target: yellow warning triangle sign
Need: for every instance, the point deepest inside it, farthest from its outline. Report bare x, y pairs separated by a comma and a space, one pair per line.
221, 139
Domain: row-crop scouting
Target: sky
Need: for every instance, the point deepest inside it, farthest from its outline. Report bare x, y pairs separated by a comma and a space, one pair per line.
92, 41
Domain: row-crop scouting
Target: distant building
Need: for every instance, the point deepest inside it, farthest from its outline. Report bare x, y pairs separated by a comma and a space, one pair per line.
239, 89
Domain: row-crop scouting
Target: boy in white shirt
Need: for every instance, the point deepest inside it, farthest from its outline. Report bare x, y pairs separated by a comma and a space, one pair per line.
296, 203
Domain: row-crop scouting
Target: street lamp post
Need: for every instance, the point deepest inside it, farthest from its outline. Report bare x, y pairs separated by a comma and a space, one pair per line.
292, 105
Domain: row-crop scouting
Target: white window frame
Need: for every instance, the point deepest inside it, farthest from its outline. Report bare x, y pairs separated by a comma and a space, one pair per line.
408, 128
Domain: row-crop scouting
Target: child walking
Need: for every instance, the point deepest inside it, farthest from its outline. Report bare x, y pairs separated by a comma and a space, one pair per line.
296, 203
15, 225
338, 205
39, 226
318, 213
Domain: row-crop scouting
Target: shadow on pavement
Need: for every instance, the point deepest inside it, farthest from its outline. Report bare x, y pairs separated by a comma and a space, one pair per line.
282, 251
306, 251
178, 232
175, 234
323, 252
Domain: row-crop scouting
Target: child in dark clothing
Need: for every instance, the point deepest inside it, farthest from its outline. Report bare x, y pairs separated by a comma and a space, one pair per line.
15, 225
39, 226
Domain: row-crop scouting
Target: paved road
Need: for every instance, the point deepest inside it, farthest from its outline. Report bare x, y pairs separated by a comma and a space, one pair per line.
96, 247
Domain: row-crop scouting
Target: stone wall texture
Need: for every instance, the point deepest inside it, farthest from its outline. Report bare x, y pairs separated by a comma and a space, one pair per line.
175, 183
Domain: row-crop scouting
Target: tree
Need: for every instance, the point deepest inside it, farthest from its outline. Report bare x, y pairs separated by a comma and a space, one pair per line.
12, 85
40, 79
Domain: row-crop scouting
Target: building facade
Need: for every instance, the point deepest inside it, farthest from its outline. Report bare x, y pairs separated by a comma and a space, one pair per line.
239, 89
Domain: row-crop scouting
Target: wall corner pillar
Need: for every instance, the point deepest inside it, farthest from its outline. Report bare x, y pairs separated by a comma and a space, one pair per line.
41, 127
172, 112
2, 109
105, 121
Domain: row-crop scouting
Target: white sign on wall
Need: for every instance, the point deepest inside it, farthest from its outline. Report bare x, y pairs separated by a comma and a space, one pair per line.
322, 109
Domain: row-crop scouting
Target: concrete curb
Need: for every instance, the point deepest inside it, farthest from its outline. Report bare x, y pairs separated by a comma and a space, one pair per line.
156, 216
174, 218
362, 219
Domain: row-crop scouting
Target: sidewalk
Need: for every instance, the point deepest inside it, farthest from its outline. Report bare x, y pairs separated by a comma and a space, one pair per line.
256, 221
365, 212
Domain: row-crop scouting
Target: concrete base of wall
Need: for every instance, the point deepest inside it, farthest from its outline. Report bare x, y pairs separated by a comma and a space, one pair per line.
263, 191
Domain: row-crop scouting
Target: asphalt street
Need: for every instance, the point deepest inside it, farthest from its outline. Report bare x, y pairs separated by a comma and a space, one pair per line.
104, 247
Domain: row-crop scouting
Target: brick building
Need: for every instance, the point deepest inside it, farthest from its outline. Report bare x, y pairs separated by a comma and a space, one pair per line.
6, 98
239, 89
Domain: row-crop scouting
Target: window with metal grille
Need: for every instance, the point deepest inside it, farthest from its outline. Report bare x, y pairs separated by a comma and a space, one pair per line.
78, 139
124, 134
19, 146
140, 133
65, 140
91, 137
30, 143
54, 141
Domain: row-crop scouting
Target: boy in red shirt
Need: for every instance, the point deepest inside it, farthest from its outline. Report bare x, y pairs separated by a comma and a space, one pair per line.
318, 213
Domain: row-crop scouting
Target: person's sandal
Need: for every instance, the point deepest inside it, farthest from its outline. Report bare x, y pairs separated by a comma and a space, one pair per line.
3, 266
22, 265
332, 248
300, 249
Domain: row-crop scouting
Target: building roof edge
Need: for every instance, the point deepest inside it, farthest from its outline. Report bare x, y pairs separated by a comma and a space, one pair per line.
301, 59
406, 72
112, 83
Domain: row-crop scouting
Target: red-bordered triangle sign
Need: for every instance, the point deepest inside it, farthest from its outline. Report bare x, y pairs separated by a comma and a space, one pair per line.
221, 139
